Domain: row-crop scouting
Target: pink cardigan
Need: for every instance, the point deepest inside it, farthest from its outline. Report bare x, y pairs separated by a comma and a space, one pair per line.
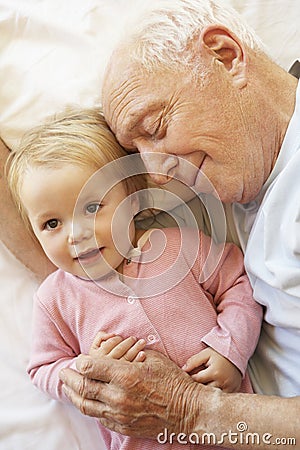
178, 320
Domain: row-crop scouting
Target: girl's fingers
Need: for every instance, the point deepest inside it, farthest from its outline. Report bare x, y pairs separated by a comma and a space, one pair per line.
135, 353
101, 337
116, 347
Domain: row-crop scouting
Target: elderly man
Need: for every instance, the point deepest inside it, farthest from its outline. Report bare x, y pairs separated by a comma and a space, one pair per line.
190, 80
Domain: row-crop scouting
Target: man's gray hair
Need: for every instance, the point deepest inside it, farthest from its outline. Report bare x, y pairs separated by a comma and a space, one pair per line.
160, 32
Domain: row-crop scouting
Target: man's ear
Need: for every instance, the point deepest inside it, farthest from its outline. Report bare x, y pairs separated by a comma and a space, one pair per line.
221, 44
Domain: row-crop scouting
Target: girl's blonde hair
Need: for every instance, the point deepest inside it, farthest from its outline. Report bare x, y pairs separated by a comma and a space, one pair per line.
77, 137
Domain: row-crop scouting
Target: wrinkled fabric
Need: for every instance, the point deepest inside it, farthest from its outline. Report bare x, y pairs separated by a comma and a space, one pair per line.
52, 54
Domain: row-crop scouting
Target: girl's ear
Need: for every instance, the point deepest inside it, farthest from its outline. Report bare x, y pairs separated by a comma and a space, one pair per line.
219, 43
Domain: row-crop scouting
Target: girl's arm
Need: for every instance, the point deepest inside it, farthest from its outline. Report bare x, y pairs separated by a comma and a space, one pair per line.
238, 315
52, 349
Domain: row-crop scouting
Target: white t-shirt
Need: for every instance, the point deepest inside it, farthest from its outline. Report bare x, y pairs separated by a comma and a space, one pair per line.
272, 260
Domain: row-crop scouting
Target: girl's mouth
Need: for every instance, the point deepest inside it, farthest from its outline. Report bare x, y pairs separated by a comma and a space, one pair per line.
89, 255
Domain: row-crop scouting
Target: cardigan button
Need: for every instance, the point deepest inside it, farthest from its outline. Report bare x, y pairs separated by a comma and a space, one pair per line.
131, 299
151, 338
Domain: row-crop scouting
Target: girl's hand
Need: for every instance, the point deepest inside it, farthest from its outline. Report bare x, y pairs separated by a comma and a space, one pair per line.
115, 347
211, 368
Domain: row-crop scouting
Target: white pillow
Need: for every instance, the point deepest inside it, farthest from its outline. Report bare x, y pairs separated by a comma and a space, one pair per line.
277, 24
52, 53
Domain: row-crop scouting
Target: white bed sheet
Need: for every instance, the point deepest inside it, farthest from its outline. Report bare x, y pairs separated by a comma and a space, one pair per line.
29, 420
53, 52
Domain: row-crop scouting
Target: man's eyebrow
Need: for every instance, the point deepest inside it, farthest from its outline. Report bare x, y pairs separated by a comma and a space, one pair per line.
128, 125
139, 115
136, 116
135, 121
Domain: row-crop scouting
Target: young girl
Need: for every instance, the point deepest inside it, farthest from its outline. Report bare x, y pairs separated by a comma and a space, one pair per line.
80, 201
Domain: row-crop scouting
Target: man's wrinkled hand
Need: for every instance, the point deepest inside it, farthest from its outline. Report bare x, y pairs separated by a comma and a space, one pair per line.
133, 398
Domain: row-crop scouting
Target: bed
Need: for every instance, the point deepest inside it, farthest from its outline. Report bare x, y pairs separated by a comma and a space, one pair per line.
53, 52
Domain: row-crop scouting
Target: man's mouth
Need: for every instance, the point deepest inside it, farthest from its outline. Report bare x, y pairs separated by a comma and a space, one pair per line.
201, 183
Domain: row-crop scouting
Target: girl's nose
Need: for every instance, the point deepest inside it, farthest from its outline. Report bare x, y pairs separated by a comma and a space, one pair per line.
78, 233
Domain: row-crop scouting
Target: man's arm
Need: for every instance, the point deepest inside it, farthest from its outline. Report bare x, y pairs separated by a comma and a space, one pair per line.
156, 398
13, 232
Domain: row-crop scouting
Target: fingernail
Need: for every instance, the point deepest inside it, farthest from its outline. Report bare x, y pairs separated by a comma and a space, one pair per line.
141, 356
66, 390
62, 376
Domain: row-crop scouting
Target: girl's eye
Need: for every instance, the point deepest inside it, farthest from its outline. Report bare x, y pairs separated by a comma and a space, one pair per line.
51, 224
92, 208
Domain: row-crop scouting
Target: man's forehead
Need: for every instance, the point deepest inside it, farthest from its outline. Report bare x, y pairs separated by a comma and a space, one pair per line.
128, 101
120, 67
127, 123
119, 81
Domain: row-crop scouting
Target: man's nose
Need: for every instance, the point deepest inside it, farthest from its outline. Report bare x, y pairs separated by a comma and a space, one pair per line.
161, 166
